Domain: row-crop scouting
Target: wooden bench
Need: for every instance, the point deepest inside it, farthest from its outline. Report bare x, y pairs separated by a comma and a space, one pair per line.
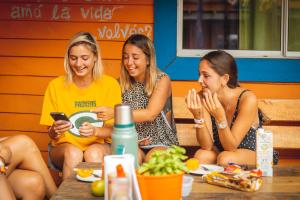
283, 119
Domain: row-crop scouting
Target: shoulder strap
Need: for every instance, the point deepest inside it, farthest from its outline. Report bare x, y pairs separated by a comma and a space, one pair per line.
239, 98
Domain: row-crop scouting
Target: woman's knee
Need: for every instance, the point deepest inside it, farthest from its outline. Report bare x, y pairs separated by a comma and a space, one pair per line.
205, 156
225, 157
73, 154
37, 186
96, 153
27, 184
21, 142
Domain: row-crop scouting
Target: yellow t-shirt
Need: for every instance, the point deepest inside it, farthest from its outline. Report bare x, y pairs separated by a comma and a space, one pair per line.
70, 99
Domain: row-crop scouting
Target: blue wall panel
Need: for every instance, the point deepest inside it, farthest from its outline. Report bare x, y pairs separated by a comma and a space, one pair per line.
180, 68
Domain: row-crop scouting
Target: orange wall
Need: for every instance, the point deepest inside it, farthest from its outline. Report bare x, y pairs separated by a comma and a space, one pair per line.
33, 38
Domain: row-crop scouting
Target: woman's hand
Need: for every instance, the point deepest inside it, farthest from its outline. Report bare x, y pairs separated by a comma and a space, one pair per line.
86, 129
145, 141
104, 112
213, 106
58, 128
193, 103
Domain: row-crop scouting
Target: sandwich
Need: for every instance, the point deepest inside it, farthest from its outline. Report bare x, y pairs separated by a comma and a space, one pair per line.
236, 178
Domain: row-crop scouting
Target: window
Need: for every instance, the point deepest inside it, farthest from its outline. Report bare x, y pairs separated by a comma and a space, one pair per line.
246, 28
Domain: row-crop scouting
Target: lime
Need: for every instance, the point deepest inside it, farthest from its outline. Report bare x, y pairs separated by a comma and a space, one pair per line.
98, 188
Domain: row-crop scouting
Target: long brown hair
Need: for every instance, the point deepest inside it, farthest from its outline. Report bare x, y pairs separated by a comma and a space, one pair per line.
146, 45
223, 63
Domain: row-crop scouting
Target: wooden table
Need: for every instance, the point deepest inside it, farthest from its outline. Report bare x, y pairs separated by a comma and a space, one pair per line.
285, 184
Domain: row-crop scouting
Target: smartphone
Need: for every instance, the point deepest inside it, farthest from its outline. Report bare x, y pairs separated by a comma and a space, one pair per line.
59, 116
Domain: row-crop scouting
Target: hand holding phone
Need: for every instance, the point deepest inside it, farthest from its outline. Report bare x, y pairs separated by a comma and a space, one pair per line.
61, 124
59, 116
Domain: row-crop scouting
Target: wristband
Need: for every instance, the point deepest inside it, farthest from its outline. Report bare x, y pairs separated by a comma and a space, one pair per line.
199, 121
222, 125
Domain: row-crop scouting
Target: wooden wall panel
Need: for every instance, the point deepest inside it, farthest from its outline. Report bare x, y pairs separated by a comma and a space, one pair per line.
21, 122
21, 104
37, 66
54, 30
52, 48
83, 12
26, 85
104, 2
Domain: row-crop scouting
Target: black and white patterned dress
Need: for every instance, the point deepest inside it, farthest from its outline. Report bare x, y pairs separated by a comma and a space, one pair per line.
158, 130
249, 141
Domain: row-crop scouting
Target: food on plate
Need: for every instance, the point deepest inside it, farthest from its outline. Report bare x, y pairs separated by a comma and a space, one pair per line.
98, 188
192, 163
236, 178
84, 172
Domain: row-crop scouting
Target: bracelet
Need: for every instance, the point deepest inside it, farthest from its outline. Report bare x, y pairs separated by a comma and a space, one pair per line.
222, 125
199, 126
199, 121
2, 167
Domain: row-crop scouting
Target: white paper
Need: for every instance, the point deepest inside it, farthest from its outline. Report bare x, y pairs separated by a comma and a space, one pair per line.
127, 161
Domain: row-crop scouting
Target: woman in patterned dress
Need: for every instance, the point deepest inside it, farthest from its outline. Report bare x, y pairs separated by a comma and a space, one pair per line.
148, 91
226, 115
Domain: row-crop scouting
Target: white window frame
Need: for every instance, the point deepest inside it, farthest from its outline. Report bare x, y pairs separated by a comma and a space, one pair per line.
283, 53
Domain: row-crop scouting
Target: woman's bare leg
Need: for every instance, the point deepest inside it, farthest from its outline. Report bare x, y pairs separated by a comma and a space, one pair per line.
6, 191
27, 185
66, 156
206, 156
26, 155
141, 156
96, 152
239, 157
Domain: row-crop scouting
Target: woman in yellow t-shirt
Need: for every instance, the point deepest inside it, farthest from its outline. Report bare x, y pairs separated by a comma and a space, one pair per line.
83, 88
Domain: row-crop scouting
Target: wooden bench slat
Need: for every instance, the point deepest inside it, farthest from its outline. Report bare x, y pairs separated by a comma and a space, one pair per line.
281, 109
283, 136
287, 137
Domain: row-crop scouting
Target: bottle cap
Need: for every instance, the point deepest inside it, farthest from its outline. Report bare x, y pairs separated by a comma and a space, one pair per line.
123, 116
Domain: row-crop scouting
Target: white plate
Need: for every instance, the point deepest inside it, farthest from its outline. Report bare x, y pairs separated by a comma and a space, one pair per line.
206, 169
152, 146
84, 116
91, 178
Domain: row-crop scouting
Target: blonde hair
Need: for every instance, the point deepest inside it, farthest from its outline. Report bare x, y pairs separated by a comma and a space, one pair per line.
146, 45
87, 39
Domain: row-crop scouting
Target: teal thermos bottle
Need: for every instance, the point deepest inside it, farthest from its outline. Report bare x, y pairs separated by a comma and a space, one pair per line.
124, 135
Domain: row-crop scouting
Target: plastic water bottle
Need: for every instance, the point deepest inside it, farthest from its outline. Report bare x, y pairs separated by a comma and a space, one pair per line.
124, 136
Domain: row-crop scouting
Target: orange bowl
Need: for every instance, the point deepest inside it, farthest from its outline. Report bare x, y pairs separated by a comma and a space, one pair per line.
160, 187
